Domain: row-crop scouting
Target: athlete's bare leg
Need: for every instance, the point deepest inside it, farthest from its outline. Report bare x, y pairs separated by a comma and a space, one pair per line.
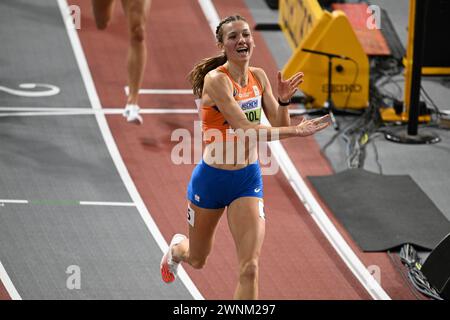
136, 13
248, 229
196, 248
103, 10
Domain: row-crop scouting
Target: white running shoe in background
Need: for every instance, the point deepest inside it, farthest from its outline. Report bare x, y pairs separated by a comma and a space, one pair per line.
131, 112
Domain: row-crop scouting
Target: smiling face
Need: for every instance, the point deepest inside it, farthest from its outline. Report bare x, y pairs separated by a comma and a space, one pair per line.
237, 41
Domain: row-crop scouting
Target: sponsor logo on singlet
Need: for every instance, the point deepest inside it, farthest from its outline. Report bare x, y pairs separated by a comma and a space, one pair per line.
242, 95
252, 109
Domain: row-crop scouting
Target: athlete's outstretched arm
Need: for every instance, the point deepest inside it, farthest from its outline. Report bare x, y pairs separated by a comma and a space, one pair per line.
220, 89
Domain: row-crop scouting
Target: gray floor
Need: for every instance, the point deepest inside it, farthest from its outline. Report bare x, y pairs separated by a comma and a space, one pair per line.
52, 151
35, 50
428, 165
54, 162
114, 251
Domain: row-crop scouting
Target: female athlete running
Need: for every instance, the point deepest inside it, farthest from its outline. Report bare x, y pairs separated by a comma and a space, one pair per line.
229, 177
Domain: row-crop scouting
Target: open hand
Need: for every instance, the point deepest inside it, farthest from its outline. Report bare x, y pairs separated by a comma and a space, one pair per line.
287, 88
311, 126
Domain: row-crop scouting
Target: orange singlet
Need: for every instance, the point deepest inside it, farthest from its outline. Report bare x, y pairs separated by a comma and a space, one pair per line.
249, 99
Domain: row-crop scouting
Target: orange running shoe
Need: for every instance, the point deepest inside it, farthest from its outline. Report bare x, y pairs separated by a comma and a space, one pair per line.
168, 267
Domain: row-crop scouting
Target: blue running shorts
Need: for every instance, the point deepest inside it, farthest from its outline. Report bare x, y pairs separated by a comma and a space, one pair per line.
213, 188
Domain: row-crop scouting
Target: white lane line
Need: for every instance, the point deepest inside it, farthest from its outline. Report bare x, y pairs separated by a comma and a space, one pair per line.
109, 204
42, 114
112, 147
71, 202
13, 201
81, 111
161, 91
148, 110
7, 283
211, 15
4, 277
311, 204
22, 109
26, 112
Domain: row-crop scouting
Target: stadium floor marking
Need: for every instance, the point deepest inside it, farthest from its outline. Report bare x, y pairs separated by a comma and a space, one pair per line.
67, 202
30, 111
161, 91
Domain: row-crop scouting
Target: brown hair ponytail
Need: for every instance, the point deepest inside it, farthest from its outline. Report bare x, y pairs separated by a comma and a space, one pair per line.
197, 75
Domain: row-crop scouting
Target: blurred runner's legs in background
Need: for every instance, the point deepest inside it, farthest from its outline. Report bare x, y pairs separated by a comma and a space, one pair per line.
136, 13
